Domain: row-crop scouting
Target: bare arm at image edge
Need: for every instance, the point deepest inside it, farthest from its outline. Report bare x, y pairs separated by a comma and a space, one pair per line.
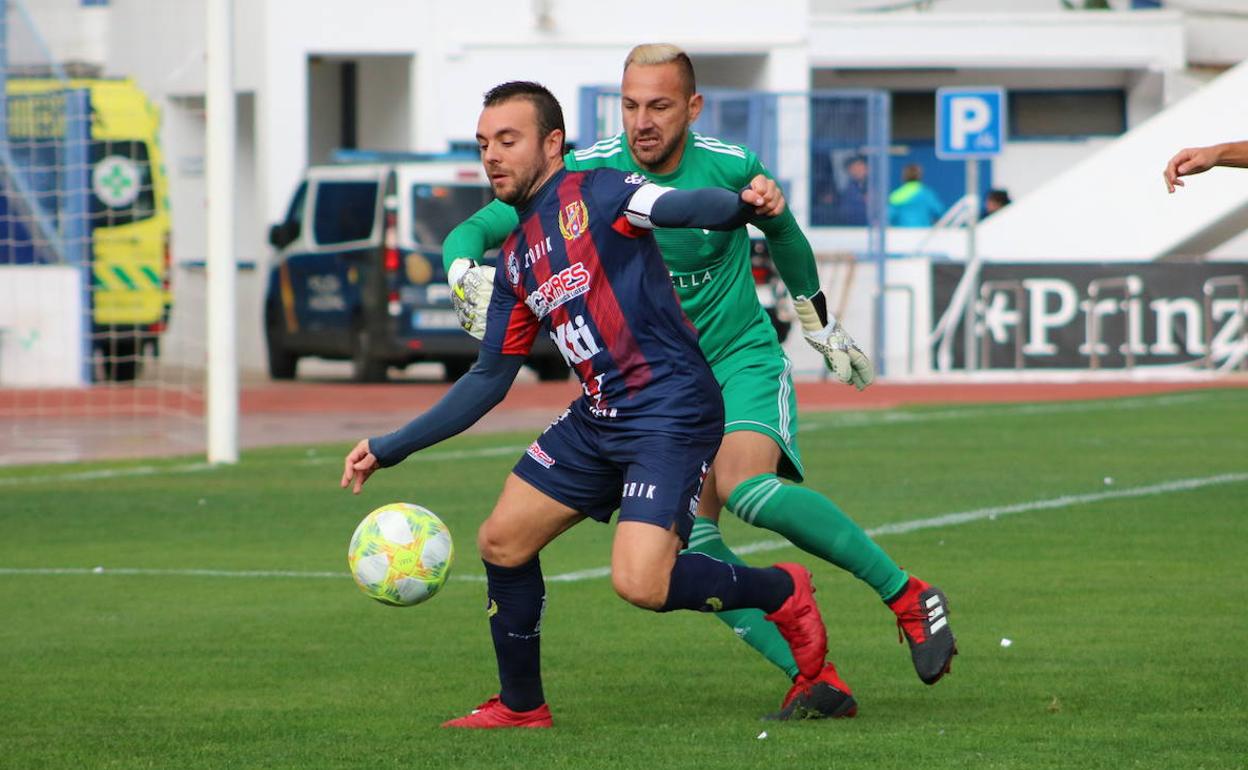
1197, 160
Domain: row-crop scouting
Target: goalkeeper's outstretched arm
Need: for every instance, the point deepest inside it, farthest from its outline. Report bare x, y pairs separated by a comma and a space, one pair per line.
484, 230
471, 283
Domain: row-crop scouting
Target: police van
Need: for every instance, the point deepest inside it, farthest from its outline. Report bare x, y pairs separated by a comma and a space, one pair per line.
358, 271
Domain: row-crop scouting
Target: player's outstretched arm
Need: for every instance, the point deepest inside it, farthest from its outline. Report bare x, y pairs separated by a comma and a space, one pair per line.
472, 283
795, 261
1197, 160
484, 230
709, 208
475, 394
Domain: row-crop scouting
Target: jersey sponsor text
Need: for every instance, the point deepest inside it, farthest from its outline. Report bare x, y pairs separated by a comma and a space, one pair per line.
539, 455
568, 283
575, 340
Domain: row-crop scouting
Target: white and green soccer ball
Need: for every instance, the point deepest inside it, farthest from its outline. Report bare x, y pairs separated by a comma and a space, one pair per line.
401, 554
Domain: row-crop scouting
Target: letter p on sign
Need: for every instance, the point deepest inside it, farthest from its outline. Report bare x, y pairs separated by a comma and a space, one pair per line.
970, 123
969, 115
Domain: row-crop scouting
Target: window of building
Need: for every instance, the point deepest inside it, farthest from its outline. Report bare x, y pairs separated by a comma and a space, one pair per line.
914, 116
1059, 114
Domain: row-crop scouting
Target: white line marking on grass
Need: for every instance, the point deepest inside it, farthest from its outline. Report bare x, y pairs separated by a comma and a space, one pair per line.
430, 457
898, 528
156, 572
108, 473
1066, 501
900, 417
152, 470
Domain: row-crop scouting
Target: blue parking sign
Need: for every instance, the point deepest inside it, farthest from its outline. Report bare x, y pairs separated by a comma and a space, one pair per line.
970, 123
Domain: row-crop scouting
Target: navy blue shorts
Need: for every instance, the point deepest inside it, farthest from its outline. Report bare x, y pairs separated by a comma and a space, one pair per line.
595, 468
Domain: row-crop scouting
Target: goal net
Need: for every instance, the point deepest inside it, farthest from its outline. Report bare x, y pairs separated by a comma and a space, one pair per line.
92, 360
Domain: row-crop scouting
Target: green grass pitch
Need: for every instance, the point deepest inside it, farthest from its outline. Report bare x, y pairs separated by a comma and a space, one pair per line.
1127, 608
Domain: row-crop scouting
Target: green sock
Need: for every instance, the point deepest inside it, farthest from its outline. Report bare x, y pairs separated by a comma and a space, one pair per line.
749, 625
813, 523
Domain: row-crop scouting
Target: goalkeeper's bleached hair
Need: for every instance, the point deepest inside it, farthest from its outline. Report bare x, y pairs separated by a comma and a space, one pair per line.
664, 53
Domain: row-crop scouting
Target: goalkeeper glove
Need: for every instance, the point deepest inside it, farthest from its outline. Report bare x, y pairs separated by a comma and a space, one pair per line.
471, 287
824, 333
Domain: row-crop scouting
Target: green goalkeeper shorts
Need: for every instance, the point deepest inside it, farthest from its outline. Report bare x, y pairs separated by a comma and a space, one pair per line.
757, 383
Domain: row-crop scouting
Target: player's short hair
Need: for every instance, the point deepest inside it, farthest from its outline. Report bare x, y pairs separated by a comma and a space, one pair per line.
549, 113
665, 53
913, 172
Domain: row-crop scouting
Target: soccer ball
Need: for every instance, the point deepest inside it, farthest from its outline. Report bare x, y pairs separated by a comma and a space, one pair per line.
400, 554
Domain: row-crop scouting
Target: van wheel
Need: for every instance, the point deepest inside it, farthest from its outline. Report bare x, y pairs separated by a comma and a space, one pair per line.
120, 358
551, 369
282, 363
364, 367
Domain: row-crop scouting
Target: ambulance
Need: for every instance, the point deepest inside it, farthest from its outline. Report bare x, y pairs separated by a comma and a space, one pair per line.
128, 207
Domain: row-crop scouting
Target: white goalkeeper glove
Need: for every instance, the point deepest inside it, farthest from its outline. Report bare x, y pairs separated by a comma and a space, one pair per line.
824, 333
471, 286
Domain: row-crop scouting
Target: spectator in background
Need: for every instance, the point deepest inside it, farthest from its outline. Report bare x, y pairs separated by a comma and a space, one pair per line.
995, 201
851, 203
914, 204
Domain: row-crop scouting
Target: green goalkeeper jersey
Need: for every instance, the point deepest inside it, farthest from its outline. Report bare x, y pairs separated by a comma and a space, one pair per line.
710, 269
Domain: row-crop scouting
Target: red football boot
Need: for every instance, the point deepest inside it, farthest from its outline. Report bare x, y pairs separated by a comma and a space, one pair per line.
923, 616
493, 714
826, 697
800, 624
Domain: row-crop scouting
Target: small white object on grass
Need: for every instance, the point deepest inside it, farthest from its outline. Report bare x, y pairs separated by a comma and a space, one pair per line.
762, 735
1109, 480
1006, 642
98, 570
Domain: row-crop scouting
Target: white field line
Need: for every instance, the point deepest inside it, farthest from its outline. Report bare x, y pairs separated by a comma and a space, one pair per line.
170, 470
899, 417
898, 528
820, 422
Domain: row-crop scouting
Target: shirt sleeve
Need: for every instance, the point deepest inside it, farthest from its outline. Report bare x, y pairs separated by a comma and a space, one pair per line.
475, 394
711, 208
790, 250
484, 230
510, 326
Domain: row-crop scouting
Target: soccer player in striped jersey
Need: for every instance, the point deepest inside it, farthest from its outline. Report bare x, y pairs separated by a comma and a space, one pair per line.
583, 265
711, 273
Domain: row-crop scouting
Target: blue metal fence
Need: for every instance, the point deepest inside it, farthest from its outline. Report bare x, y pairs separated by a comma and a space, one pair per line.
828, 149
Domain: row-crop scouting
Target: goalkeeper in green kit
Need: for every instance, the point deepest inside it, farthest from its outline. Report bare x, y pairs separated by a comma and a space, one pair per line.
711, 274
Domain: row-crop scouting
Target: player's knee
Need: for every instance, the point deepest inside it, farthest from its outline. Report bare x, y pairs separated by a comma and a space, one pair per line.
646, 591
727, 482
497, 548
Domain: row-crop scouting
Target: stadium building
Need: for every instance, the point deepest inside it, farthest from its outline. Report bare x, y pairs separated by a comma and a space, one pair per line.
1095, 101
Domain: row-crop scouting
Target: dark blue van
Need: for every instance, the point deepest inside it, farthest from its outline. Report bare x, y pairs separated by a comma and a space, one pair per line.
358, 272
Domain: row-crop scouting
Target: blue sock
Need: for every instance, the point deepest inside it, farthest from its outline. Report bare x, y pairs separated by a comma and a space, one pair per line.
701, 583
515, 603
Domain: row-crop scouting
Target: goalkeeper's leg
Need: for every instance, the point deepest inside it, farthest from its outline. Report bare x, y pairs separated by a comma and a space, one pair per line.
822, 697
745, 477
749, 625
